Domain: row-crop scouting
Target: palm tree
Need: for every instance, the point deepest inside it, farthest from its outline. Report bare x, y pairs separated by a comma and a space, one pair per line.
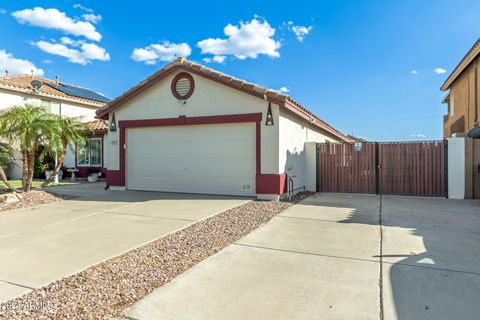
27, 128
70, 130
6, 157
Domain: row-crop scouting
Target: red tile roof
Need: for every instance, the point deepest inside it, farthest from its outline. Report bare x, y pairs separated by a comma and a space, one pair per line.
23, 83
251, 88
99, 126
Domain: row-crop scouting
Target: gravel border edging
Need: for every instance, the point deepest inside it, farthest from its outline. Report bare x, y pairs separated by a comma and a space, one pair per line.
34, 198
104, 290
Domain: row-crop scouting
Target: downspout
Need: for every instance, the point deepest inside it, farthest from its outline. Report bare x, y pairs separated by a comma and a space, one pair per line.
476, 92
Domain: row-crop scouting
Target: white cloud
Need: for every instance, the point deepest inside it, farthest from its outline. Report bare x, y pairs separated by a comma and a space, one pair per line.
217, 59
84, 54
246, 40
165, 51
93, 18
17, 66
79, 6
414, 72
55, 19
284, 90
301, 32
440, 71
417, 135
71, 42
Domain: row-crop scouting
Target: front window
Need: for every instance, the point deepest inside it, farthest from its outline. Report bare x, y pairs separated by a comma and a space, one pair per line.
51, 106
89, 153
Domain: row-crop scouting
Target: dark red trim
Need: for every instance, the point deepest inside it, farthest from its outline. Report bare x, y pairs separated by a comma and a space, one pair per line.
271, 183
119, 179
114, 178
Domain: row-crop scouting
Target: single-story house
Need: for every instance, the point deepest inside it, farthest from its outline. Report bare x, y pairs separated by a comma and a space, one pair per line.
188, 128
62, 99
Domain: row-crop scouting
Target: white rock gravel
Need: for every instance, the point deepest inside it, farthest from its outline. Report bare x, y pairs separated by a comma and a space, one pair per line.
104, 290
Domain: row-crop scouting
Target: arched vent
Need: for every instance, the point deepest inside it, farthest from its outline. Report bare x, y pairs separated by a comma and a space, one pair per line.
182, 86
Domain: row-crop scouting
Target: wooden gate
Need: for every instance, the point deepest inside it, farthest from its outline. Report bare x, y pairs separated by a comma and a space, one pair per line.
402, 168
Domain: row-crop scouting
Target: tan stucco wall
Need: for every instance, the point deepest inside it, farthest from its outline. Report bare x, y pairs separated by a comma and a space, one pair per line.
472, 163
209, 98
462, 92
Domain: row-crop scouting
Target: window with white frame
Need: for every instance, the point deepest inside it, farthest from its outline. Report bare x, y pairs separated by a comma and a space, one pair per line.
51, 106
89, 153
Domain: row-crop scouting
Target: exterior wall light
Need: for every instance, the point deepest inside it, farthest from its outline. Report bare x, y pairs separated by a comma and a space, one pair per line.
113, 123
269, 121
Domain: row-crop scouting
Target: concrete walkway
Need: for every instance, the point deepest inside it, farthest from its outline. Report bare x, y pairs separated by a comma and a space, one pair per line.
323, 259
42, 244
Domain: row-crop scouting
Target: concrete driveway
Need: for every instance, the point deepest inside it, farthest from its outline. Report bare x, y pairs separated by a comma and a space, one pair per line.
323, 259
42, 244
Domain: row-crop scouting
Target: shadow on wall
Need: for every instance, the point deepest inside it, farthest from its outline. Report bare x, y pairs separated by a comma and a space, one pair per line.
431, 255
295, 168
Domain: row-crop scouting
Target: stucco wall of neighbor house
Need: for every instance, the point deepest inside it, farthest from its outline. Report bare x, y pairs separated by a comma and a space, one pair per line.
462, 93
9, 99
208, 99
294, 133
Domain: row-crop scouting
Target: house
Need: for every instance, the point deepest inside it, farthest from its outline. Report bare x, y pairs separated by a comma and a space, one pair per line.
62, 99
188, 128
462, 98
462, 87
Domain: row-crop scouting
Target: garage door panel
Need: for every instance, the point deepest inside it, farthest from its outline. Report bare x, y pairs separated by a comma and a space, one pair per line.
216, 159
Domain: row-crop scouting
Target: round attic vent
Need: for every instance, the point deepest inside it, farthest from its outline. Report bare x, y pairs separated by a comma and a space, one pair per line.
182, 86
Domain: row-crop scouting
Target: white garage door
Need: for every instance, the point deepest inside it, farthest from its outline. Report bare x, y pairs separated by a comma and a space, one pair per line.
211, 159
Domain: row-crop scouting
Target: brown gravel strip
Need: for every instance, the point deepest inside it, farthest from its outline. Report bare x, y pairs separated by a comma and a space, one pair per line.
104, 290
34, 198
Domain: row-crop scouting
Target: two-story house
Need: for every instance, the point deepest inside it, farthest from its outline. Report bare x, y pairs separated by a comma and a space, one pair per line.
463, 101
463, 94
62, 99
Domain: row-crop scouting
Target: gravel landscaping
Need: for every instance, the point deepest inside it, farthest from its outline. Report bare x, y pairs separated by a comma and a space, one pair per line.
33, 198
104, 290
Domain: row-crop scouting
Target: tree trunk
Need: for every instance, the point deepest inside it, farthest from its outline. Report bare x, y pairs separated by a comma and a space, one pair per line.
30, 169
4, 179
57, 168
24, 170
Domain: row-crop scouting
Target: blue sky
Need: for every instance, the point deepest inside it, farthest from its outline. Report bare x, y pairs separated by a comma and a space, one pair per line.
350, 62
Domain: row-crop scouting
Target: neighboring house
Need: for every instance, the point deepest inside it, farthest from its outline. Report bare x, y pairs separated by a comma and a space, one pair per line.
191, 129
62, 99
463, 87
463, 95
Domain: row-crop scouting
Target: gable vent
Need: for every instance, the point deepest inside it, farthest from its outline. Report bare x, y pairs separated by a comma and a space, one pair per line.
182, 86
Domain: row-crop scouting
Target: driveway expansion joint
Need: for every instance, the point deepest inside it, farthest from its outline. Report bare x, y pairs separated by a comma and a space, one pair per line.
303, 253
17, 284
